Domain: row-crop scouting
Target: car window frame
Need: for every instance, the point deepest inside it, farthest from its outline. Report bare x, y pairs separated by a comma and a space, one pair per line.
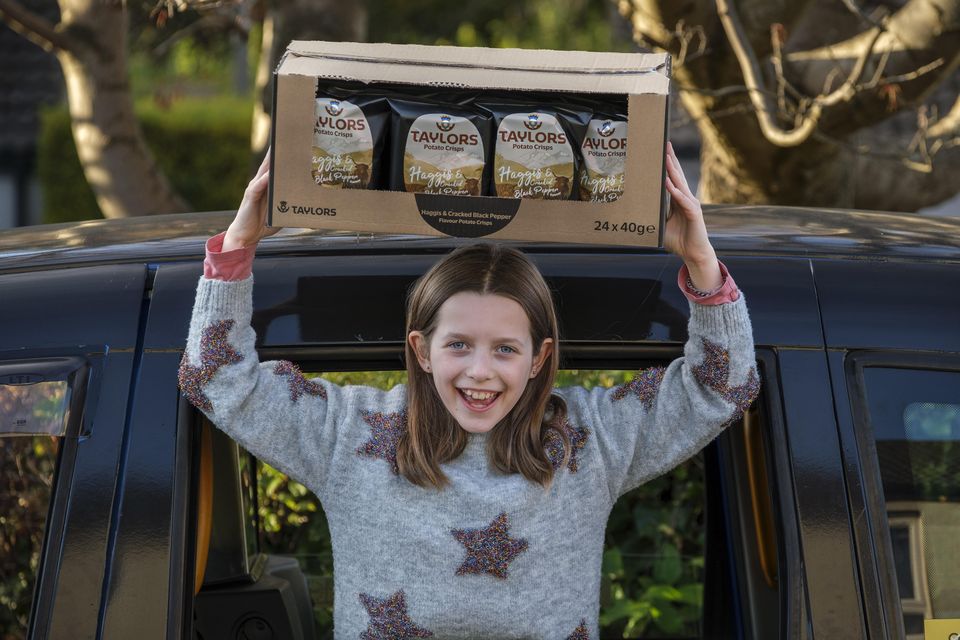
82, 371
574, 355
869, 464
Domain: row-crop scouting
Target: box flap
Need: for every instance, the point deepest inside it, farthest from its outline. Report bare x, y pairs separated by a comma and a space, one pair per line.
539, 69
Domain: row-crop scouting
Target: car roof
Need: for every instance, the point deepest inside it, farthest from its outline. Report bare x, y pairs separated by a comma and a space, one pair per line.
734, 230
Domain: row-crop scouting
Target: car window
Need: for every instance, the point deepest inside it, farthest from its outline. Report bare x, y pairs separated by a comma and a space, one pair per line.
653, 564
33, 420
914, 416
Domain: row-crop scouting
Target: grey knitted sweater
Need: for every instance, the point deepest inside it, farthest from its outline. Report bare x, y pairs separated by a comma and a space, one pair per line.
492, 555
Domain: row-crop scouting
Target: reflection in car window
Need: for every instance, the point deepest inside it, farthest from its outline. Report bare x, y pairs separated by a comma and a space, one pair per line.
915, 418
27, 466
653, 562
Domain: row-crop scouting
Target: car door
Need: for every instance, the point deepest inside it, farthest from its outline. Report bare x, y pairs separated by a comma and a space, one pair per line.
894, 351
68, 353
788, 443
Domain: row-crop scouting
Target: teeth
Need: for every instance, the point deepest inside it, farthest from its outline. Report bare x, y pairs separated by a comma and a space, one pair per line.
478, 395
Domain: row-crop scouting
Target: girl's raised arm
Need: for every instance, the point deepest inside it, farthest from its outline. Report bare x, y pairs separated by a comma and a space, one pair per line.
667, 414
269, 408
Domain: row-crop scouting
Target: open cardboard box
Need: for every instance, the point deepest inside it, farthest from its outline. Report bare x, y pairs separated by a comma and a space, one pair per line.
635, 219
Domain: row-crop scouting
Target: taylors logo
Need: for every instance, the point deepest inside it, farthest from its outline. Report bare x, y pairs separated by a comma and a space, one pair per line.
532, 122
606, 129
445, 123
297, 209
333, 108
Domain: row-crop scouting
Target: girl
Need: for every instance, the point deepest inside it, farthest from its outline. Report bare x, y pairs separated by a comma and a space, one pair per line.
472, 502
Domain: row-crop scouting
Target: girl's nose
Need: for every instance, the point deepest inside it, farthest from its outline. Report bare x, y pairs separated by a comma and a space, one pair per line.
480, 368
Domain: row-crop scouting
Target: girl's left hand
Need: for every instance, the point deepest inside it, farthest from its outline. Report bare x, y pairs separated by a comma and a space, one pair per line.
686, 233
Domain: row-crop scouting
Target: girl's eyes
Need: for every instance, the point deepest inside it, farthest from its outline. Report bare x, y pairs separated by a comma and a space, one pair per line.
460, 346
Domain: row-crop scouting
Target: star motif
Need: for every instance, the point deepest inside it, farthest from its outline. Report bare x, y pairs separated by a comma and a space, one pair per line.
389, 619
645, 384
298, 384
581, 632
386, 431
215, 352
489, 550
714, 372
553, 444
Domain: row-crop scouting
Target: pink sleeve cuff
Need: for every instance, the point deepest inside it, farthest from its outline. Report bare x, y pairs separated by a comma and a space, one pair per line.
227, 265
726, 292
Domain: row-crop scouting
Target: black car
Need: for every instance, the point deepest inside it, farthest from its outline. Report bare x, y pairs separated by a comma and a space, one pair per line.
830, 511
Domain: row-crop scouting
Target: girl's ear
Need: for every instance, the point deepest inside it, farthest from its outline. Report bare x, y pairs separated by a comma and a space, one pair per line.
418, 342
546, 349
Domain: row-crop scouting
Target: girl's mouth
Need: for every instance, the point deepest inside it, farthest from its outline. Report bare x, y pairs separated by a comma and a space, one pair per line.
478, 400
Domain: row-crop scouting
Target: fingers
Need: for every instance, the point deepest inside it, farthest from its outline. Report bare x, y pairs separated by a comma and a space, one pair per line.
264, 166
681, 198
259, 184
675, 171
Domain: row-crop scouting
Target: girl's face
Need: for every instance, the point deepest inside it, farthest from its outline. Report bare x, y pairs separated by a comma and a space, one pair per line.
481, 356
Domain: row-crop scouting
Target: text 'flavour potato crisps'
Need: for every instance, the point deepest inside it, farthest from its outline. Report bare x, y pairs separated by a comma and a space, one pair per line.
438, 149
348, 140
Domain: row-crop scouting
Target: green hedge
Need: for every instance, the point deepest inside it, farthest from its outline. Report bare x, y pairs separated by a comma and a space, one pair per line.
202, 145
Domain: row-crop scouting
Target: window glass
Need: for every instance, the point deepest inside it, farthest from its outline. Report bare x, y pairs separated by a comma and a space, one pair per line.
27, 466
31, 409
653, 563
915, 418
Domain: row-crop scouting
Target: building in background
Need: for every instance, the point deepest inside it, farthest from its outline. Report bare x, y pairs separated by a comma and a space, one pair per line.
29, 79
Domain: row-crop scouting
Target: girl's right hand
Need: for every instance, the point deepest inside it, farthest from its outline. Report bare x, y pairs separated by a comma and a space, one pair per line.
250, 223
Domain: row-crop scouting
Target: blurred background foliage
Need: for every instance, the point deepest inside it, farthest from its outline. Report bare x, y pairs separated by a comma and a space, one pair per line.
193, 89
202, 145
652, 564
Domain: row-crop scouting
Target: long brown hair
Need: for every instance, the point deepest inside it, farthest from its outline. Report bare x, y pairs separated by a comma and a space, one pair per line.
516, 443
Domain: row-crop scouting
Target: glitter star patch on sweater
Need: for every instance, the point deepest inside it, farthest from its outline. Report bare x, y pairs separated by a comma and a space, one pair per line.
489, 550
215, 352
389, 619
645, 385
581, 632
553, 444
298, 384
714, 372
386, 430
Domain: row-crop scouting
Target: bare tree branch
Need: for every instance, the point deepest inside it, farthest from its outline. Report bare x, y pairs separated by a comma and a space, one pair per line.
34, 28
216, 21
750, 67
812, 104
916, 47
856, 10
948, 125
647, 23
885, 185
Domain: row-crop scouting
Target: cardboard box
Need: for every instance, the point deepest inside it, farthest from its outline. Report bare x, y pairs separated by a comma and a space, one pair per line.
635, 219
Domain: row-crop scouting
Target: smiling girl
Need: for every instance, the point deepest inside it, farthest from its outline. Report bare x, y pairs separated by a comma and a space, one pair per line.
471, 502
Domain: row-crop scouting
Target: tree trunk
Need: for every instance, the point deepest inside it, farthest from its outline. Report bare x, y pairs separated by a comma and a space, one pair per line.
115, 159
91, 43
288, 20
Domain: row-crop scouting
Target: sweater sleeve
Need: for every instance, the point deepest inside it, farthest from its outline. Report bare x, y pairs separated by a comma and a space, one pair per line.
667, 414
269, 408
227, 265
